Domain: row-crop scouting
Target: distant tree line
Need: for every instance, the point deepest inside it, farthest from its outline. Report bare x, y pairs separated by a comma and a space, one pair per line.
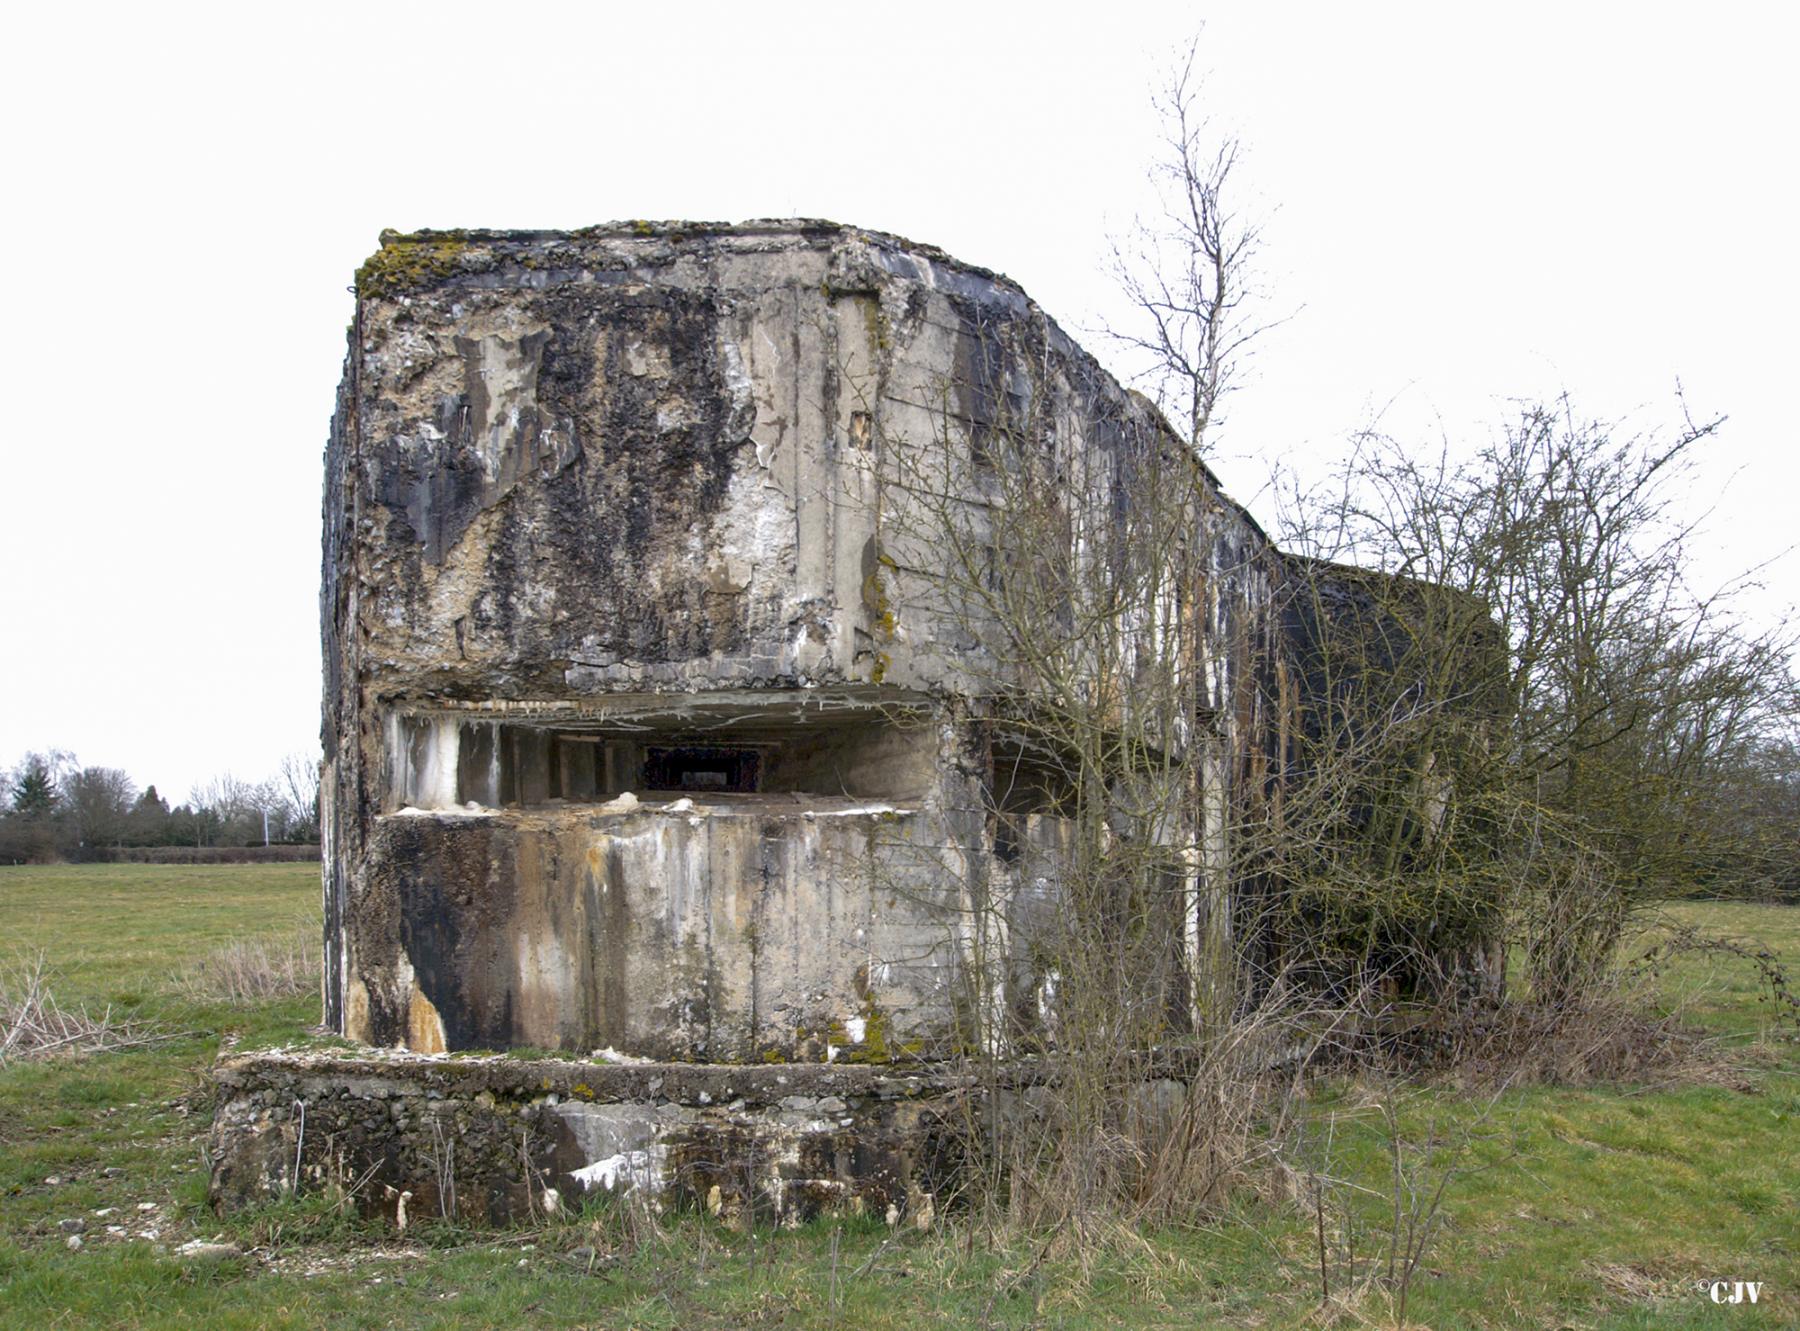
54, 808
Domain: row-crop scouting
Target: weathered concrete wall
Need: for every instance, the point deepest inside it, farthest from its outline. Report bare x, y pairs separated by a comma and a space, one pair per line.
632, 495
675, 930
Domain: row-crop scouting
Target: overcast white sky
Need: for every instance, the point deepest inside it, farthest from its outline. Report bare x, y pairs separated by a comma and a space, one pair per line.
1466, 206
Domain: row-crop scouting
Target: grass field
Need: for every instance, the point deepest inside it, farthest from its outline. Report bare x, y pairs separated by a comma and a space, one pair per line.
1579, 1208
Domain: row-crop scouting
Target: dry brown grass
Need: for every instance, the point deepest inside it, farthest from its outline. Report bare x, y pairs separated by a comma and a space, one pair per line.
248, 970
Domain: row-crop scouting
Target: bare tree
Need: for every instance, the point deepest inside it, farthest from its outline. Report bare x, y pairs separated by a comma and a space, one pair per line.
1077, 554
296, 794
1191, 270
1629, 699
227, 810
226, 795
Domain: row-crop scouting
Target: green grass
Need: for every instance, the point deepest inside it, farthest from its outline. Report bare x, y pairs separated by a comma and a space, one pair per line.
1592, 1208
115, 931
1720, 993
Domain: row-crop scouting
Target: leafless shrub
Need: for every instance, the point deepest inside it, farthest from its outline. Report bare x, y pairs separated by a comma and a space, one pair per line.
1122, 1137
1610, 1032
34, 1025
1585, 1009
1085, 572
303, 853
1369, 1243
1641, 728
1500, 722
248, 970
1614, 1025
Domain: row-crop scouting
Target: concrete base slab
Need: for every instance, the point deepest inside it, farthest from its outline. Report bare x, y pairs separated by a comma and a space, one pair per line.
498, 1140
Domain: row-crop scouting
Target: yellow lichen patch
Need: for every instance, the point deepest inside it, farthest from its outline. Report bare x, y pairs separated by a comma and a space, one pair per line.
876, 1045
875, 598
407, 261
883, 625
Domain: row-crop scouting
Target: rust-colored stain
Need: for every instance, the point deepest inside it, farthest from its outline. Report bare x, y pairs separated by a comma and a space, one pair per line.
424, 1028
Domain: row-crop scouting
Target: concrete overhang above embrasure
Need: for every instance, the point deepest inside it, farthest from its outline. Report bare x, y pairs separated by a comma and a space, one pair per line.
717, 708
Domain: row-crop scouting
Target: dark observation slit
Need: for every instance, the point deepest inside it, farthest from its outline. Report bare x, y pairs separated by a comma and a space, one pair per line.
702, 767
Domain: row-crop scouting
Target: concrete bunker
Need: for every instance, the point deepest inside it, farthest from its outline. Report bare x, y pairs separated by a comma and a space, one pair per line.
646, 742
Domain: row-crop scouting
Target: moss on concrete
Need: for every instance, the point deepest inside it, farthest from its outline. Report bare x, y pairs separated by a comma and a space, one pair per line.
408, 261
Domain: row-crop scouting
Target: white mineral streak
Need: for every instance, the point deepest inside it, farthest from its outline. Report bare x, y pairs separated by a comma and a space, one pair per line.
611, 1055
737, 379
422, 761
437, 779
399, 757
481, 789
855, 1028
1046, 999
404, 977
511, 381
752, 534
634, 1169
620, 1141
